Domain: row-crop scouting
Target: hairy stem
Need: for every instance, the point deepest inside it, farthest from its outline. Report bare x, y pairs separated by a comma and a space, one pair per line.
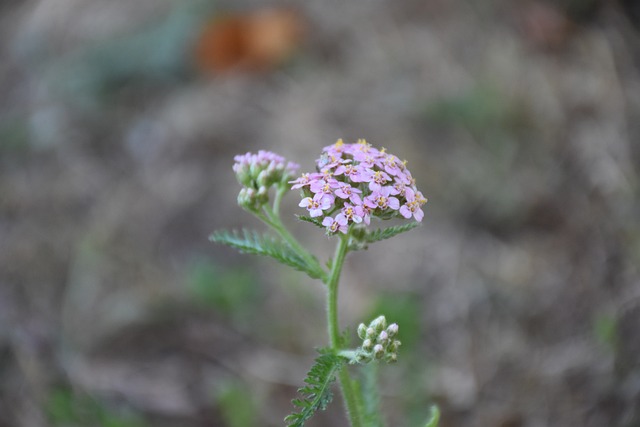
346, 384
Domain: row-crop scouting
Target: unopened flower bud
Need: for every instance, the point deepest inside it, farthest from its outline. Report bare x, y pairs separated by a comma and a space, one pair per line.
271, 168
391, 358
362, 331
378, 351
383, 337
367, 344
371, 333
363, 358
392, 330
393, 347
255, 168
243, 176
263, 178
247, 199
379, 323
242, 196
262, 196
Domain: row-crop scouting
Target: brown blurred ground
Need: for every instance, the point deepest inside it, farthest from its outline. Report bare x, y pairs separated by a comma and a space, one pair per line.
520, 123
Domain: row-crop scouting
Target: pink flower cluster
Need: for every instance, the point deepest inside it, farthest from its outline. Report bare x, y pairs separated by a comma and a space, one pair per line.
354, 182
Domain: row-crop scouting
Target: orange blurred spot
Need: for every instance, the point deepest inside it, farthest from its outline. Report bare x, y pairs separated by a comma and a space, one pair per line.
544, 25
254, 42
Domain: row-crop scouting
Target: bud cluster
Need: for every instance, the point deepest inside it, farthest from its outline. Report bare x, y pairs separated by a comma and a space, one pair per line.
257, 173
378, 341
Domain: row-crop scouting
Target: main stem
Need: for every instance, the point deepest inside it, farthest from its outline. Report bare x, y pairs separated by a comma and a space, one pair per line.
346, 385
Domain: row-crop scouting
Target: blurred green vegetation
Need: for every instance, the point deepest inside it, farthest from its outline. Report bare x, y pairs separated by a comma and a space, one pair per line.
158, 53
66, 408
237, 404
605, 329
403, 309
481, 109
231, 292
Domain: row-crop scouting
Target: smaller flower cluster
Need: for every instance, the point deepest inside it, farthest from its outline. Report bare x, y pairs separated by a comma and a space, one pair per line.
378, 341
257, 173
354, 182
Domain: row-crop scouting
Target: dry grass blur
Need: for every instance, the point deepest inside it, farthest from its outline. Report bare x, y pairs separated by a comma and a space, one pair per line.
519, 297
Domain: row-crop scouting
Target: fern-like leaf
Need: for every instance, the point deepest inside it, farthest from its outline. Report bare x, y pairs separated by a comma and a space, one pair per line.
316, 395
314, 221
362, 238
251, 242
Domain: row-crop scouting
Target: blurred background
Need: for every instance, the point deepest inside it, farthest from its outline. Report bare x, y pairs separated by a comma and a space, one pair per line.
518, 299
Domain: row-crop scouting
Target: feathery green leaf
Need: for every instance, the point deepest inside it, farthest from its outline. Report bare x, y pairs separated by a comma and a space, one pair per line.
314, 221
251, 242
316, 395
362, 237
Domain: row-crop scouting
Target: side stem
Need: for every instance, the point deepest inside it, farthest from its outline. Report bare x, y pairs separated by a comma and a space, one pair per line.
272, 220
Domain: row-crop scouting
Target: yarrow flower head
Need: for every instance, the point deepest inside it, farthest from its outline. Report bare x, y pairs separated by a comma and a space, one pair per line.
257, 173
355, 182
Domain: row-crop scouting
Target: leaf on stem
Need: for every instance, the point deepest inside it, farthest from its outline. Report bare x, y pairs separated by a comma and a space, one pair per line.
314, 221
316, 395
252, 242
361, 238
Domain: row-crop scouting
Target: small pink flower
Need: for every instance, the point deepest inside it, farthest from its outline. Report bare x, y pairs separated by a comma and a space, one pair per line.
325, 174
409, 193
304, 179
366, 217
391, 164
338, 147
368, 159
324, 186
362, 173
328, 160
351, 213
324, 198
315, 207
403, 177
398, 188
377, 179
382, 200
333, 226
346, 191
412, 207
348, 169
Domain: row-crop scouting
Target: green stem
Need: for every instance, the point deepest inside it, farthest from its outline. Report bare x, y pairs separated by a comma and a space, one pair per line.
332, 297
272, 219
346, 385
276, 201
